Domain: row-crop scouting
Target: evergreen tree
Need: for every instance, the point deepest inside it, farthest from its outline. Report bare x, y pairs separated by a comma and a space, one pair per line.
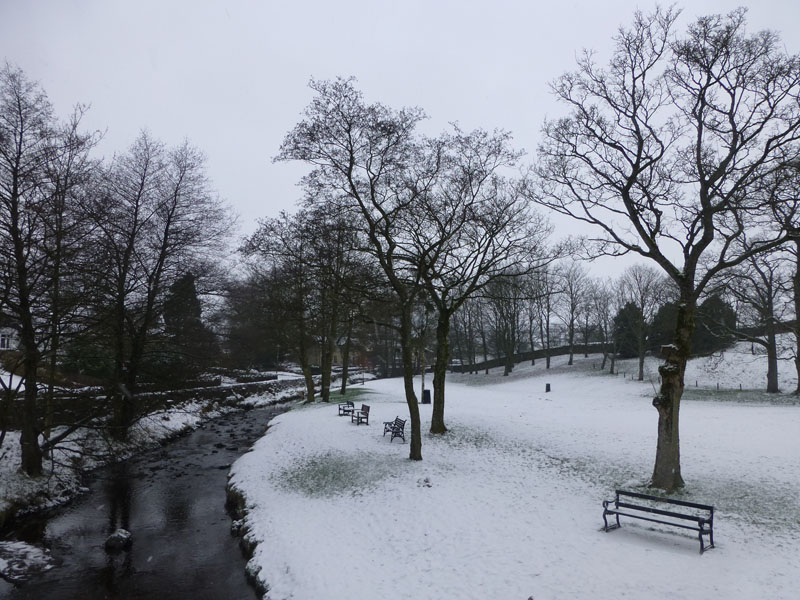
626, 327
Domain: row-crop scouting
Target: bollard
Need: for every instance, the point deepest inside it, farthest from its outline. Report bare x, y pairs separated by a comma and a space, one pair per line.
546, 387
718, 386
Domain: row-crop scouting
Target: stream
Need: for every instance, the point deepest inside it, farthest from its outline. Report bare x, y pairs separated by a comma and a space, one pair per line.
172, 499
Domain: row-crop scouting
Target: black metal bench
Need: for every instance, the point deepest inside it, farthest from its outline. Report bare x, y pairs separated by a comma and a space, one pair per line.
346, 408
361, 415
651, 508
397, 428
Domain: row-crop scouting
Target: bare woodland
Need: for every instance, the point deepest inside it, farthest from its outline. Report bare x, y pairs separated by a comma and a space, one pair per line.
409, 251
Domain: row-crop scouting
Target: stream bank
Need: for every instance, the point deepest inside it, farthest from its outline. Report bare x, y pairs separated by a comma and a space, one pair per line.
172, 499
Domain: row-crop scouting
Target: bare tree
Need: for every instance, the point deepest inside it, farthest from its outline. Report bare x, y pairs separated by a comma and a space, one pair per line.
571, 301
471, 228
318, 252
783, 189
366, 158
546, 287
505, 303
41, 166
157, 219
758, 286
662, 152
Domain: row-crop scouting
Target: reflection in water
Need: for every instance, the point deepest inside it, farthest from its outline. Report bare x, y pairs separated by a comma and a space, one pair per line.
173, 502
118, 569
119, 492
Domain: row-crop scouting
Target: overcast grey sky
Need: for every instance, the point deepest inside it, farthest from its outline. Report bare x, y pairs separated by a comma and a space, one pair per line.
232, 76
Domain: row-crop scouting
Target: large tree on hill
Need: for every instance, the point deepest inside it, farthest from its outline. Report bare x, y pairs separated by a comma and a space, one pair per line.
665, 152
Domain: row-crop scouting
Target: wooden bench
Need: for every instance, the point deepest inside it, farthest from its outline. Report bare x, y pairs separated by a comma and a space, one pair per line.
361, 415
658, 510
397, 428
346, 408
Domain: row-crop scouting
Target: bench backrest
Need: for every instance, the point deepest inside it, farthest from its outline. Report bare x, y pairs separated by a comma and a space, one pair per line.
349, 403
365, 409
621, 502
399, 423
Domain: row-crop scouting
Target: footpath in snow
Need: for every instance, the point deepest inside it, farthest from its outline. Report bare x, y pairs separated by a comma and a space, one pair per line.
507, 504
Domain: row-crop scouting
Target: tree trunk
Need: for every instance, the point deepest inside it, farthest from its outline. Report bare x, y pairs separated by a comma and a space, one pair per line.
407, 349
667, 469
772, 358
796, 298
29, 438
485, 348
346, 356
547, 344
571, 341
641, 341
440, 372
326, 365
531, 339
306, 366
31, 460
471, 343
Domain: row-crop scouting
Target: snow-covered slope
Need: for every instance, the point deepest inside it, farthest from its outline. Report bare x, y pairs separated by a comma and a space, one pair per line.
507, 504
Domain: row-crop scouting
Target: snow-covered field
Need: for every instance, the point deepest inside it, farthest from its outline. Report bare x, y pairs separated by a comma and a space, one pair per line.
507, 504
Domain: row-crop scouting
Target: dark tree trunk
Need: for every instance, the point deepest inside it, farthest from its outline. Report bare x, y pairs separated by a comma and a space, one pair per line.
326, 365
407, 349
471, 343
546, 344
346, 356
667, 469
305, 364
571, 341
641, 341
796, 298
29, 438
440, 372
485, 348
772, 357
531, 339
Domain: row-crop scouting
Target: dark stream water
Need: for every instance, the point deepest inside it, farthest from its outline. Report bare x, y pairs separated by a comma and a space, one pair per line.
173, 502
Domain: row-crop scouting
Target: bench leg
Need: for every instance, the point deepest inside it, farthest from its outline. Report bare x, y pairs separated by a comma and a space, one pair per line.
710, 533
608, 527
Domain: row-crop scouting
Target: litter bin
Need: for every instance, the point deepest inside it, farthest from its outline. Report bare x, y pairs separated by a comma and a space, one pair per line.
426, 396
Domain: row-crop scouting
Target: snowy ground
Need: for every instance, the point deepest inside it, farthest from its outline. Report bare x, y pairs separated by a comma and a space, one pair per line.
508, 503
742, 365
